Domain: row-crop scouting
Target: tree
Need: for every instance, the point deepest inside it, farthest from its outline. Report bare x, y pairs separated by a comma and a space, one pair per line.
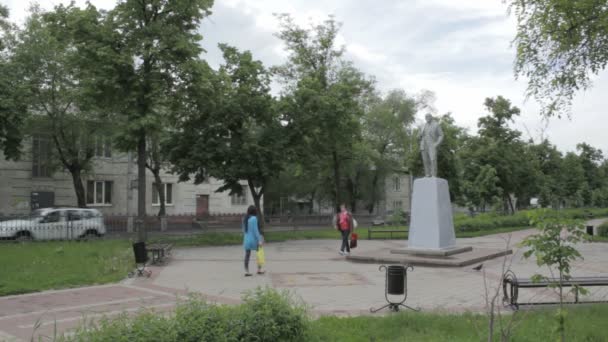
322, 97
241, 138
501, 147
386, 127
553, 246
548, 165
53, 55
572, 181
153, 65
560, 45
12, 92
590, 158
155, 162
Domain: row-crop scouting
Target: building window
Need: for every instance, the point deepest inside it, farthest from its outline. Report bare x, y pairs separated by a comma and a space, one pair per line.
397, 184
237, 199
41, 156
397, 205
103, 147
167, 189
99, 192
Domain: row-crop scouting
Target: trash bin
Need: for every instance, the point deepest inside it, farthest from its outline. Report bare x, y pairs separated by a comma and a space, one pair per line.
590, 230
139, 249
395, 280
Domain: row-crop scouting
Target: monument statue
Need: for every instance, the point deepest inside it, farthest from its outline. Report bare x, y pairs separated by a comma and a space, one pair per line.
430, 138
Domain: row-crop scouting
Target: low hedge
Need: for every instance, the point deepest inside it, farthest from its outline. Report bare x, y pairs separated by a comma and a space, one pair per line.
264, 315
485, 221
602, 229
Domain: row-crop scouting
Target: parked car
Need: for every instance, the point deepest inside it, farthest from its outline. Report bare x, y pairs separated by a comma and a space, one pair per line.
389, 219
55, 224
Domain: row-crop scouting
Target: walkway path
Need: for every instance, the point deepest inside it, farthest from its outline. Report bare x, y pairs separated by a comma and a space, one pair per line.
310, 269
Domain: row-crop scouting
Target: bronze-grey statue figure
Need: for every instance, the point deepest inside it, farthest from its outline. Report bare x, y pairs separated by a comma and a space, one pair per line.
430, 138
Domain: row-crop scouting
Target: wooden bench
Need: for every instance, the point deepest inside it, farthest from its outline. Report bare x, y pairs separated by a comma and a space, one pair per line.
511, 285
373, 230
159, 252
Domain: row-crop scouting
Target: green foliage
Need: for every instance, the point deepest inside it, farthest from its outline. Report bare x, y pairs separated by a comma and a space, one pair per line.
560, 45
323, 97
240, 138
197, 321
496, 162
12, 92
41, 266
489, 221
602, 230
265, 315
554, 246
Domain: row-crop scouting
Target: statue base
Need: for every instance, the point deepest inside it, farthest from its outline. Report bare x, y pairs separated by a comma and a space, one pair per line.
431, 225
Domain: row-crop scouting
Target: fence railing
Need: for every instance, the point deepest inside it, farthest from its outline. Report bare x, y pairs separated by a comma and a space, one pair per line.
66, 228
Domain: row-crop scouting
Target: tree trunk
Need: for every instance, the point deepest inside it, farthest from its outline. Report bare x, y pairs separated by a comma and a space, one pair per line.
510, 202
257, 196
161, 194
141, 187
312, 202
78, 187
336, 166
350, 187
374, 192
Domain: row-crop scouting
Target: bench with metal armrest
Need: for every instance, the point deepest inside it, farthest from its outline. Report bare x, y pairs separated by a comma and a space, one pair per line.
511, 285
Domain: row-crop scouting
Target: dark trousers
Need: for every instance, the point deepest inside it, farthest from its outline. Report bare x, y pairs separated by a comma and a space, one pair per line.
345, 245
247, 256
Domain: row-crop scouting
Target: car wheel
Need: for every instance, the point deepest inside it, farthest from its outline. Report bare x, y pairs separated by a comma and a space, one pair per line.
23, 237
90, 236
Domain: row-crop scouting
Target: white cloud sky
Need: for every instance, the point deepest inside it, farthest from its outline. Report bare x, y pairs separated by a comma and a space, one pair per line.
461, 50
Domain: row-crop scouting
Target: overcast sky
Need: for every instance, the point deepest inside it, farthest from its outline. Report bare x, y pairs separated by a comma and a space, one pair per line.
461, 50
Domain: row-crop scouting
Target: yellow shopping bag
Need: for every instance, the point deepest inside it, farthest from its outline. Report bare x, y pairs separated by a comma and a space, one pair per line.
260, 256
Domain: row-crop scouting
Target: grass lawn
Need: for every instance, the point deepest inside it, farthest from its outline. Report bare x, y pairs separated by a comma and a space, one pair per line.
583, 323
37, 266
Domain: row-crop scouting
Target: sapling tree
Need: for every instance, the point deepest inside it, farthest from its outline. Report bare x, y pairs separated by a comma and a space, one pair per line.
554, 246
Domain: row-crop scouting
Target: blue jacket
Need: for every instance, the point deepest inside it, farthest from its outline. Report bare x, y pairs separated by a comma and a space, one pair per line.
251, 235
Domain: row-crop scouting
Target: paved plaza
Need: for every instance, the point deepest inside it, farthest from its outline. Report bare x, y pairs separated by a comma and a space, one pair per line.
310, 269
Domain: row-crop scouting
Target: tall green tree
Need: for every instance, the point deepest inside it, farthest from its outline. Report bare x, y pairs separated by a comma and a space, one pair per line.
591, 158
386, 127
323, 95
560, 45
241, 139
153, 66
548, 162
53, 56
12, 92
500, 147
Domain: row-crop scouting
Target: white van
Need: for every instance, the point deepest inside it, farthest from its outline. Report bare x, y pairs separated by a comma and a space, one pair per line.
55, 224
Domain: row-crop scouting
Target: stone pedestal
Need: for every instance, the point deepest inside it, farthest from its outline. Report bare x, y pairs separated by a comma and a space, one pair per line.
431, 225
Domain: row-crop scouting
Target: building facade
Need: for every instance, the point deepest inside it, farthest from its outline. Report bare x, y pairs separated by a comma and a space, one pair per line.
38, 180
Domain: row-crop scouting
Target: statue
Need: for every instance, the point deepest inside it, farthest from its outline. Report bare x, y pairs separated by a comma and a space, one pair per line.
430, 138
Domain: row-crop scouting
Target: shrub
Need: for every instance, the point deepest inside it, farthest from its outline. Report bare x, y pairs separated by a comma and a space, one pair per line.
268, 315
265, 315
602, 229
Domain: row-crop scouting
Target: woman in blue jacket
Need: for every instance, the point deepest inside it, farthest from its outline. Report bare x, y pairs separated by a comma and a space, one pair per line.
251, 237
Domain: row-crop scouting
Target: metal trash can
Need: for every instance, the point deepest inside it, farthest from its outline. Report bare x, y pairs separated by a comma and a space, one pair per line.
139, 249
395, 280
395, 284
590, 230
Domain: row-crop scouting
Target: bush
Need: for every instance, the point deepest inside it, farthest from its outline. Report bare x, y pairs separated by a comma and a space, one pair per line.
268, 315
265, 315
485, 221
602, 229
